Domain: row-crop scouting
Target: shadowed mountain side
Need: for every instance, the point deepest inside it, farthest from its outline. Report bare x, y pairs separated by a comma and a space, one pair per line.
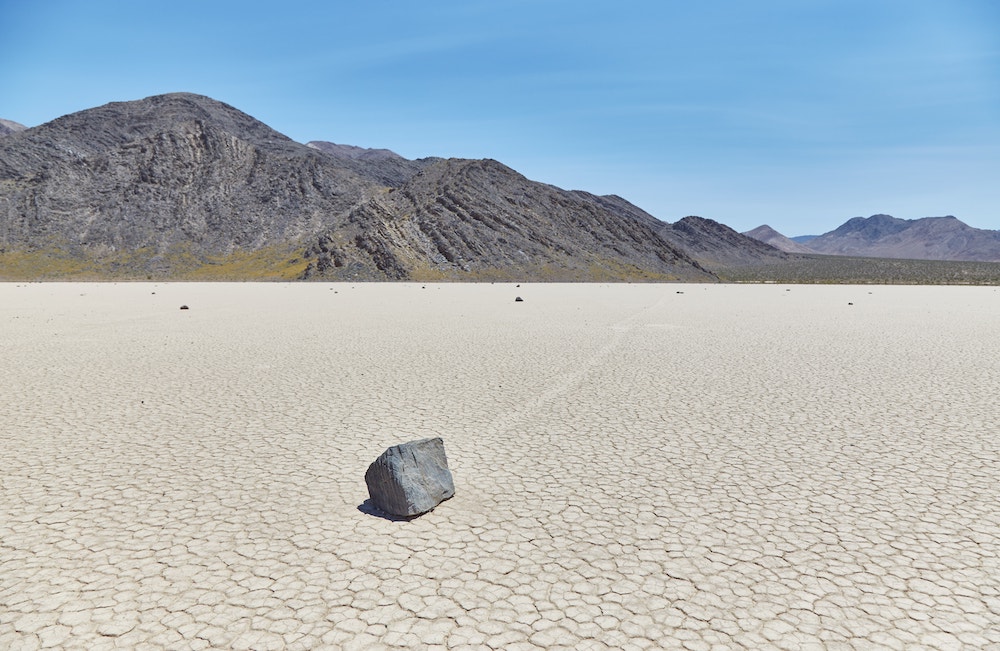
380, 166
769, 236
930, 238
714, 244
169, 171
478, 219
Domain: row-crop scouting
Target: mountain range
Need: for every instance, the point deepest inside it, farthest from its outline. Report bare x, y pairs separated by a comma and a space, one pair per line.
181, 186
184, 186
883, 236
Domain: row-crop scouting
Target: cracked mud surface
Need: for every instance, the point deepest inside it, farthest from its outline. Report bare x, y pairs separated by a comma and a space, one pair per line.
731, 467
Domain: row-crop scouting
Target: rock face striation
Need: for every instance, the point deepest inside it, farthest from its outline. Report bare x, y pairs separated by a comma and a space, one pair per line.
411, 478
381, 165
183, 184
176, 171
481, 220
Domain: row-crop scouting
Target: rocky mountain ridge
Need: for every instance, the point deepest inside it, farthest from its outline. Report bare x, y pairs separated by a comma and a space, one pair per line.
166, 172
182, 185
484, 220
381, 165
715, 244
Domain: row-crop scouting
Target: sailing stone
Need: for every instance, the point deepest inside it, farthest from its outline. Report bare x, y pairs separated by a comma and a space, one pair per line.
410, 478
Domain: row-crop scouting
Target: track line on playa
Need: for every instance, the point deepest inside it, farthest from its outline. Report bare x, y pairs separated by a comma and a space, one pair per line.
567, 381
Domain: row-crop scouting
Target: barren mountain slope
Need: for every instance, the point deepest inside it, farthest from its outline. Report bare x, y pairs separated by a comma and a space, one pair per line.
480, 219
167, 171
182, 185
712, 243
381, 166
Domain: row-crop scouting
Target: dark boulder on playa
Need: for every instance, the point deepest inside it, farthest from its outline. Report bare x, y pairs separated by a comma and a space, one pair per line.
411, 478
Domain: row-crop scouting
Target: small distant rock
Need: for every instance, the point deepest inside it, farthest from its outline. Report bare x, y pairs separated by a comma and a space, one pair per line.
410, 479
518, 300
850, 303
185, 307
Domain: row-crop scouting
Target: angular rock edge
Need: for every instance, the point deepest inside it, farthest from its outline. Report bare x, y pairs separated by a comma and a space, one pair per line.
411, 478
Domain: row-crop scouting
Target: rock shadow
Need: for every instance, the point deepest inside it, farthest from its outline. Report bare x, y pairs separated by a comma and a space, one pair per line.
368, 508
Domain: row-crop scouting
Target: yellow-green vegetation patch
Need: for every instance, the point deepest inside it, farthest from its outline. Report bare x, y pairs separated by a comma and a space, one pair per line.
177, 263
44, 265
270, 263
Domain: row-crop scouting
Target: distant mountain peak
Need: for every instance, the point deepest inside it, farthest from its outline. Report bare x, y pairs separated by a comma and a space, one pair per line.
872, 228
9, 126
768, 235
165, 171
928, 238
103, 129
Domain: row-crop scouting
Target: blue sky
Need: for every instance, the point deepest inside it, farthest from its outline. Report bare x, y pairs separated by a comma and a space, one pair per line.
799, 114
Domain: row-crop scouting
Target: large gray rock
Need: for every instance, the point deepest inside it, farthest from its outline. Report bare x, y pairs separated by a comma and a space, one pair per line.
410, 478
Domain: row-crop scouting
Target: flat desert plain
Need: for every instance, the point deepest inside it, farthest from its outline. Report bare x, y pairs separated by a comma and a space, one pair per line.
636, 466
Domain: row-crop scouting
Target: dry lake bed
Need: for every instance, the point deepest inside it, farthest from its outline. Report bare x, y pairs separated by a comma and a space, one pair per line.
636, 466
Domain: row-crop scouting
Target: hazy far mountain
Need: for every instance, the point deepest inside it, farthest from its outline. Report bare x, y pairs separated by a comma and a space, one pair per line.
929, 238
770, 236
9, 126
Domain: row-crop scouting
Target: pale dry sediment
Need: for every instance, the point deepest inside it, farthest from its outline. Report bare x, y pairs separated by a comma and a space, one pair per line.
727, 467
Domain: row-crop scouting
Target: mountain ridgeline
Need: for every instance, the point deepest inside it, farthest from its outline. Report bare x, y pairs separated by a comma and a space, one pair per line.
483, 219
174, 171
181, 186
184, 186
